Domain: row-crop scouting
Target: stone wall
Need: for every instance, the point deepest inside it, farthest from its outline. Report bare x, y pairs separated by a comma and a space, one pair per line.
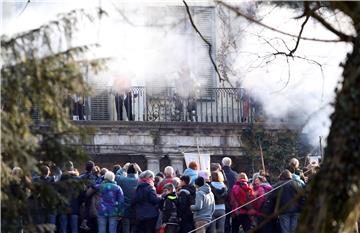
153, 145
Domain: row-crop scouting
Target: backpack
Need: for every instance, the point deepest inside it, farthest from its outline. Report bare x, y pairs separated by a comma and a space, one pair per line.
170, 208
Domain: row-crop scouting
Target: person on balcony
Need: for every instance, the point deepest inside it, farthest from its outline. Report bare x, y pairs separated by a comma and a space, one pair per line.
191, 109
179, 108
78, 108
126, 101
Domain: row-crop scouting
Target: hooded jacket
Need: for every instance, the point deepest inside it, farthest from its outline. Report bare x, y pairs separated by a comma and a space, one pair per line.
260, 203
204, 204
169, 208
192, 173
242, 193
220, 192
186, 198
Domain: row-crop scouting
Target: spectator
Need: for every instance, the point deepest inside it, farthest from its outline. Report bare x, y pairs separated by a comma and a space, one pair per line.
241, 194
20, 189
204, 206
206, 175
230, 177
192, 171
288, 202
146, 203
137, 168
215, 167
297, 174
186, 198
49, 211
128, 184
263, 205
169, 209
96, 173
219, 189
110, 204
72, 213
122, 171
90, 177
169, 179
116, 168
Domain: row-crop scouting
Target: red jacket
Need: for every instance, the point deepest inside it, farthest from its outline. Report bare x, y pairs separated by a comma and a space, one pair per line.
259, 191
166, 180
242, 193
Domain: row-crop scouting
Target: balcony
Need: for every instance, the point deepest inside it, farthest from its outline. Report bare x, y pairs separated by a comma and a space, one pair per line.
144, 104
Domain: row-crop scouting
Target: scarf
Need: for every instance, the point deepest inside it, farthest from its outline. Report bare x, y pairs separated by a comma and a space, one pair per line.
147, 180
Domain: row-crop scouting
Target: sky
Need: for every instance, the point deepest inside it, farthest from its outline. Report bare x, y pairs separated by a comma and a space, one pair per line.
299, 87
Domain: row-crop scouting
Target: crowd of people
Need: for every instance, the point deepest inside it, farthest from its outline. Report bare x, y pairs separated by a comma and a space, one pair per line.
128, 200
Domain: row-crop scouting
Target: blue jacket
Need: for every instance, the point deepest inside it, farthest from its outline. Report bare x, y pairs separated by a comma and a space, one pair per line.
146, 202
204, 204
192, 173
111, 200
128, 184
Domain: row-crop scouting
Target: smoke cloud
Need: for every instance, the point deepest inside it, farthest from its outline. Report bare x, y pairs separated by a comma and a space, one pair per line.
297, 90
159, 48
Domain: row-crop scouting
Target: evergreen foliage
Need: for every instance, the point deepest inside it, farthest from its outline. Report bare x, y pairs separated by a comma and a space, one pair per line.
41, 70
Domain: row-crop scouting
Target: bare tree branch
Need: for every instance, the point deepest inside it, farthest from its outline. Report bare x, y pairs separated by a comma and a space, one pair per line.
22, 11
341, 35
251, 19
306, 6
207, 42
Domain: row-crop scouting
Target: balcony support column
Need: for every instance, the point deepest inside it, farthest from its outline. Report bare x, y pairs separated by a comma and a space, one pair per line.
153, 163
177, 162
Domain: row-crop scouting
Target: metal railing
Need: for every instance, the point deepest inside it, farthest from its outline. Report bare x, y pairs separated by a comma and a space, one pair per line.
218, 105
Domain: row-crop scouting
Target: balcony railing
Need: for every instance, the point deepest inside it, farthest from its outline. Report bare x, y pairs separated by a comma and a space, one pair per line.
218, 105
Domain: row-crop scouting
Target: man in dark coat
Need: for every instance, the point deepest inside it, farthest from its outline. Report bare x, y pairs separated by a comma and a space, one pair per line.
186, 198
230, 177
126, 101
288, 201
70, 174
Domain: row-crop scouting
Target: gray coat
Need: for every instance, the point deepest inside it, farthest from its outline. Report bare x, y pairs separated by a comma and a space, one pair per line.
204, 204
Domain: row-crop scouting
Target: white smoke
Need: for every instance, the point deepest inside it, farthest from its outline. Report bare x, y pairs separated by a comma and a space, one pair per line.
148, 49
296, 90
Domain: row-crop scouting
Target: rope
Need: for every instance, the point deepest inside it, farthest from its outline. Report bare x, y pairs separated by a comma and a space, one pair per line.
214, 220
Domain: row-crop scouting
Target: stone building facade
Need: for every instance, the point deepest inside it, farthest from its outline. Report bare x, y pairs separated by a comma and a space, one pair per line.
154, 145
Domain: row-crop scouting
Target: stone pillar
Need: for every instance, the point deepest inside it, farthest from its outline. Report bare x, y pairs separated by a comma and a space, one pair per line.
177, 162
153, 163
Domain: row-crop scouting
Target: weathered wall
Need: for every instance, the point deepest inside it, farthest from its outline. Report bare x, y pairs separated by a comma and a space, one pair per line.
154, 144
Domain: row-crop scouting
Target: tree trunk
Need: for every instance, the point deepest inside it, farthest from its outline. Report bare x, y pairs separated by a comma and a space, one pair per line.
334, 202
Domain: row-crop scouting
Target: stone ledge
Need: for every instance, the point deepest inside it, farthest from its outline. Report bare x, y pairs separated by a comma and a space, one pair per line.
182, 125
